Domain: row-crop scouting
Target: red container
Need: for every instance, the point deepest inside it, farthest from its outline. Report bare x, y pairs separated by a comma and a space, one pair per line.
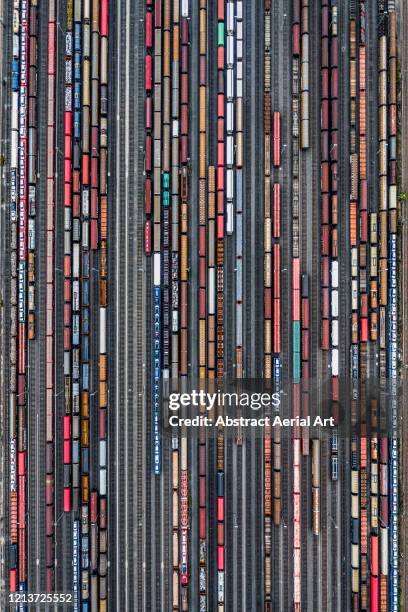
85, 169
276, 270
384, 510
76, 205
276, 139
201, 241
220, 557
184, 149
202, 491
374, 554
276, 325
334, 83
220, 105
334, 177
325, 239
384, 450
67, 170
21, 505
335, 393
305, 345
334, 145
68, 123
220, 154
325, 21
202, 272
201, 303
148, 113
324, 115
21, 389
184, 31
363, 226
67, 451
220, 202
364, 330
202, 524
67, 339
148, 196
149, 30
296, 304
184, 88
49, 519
325, 334
67, 499
334, 52
184, 62
102, 424
21, 464
104, 18
296, 10
94, 506
325, 209
51, 47
276, 210
201, 460
220, 226
67, 194
157, 14
67, 146
221, 12
325, 145
325, 271
373, 594
67, 314
94, 141
305, 313
325, 53
49, 578
220, 58
13, 580
184, 120
148, 73
364, 305
296, 273
220, 129
67, 266
325, 83
393, 119
94, 234
67, 427
334, 114
220, 509
268, 303
220, 178
325, 177
296, 39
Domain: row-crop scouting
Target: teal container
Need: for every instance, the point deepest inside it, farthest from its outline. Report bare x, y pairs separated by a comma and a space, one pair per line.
296, 351
166, 199
220, 41
166, 180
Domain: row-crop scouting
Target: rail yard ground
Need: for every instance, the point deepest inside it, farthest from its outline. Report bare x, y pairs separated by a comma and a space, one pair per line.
209, 191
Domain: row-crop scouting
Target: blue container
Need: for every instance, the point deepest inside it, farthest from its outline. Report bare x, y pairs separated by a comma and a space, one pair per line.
77, 37
220, 484
85, 348
85, 376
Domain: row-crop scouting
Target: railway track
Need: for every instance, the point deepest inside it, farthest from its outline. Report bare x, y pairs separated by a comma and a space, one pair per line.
143, 572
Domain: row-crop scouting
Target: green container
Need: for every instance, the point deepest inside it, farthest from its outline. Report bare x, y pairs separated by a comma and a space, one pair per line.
220, 34
166, 180
166, 199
